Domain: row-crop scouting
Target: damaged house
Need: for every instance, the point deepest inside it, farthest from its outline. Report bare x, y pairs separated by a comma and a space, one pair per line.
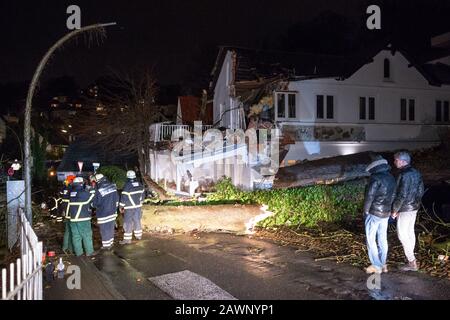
385, 98
272, 109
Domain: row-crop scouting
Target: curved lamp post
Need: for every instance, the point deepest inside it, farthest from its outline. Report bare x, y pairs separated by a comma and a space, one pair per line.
27, 125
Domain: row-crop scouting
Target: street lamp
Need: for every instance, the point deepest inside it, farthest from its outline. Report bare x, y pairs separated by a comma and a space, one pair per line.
27, 122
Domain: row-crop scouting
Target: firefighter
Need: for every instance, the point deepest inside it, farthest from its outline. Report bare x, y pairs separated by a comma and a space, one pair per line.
131, 206
53, 205
106, 201
80, 218
65, 197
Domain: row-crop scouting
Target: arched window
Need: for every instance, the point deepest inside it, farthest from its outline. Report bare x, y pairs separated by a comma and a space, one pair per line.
387, 68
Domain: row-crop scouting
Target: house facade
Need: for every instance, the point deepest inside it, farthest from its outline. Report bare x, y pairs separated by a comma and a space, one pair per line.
328, 106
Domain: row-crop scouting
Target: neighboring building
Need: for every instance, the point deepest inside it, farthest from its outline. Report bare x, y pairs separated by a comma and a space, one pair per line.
383, 99
88, 154
189, 109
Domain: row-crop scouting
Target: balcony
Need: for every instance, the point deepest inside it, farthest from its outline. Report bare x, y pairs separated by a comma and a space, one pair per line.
163, 131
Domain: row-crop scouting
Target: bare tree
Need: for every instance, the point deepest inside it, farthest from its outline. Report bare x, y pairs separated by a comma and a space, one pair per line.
120, 119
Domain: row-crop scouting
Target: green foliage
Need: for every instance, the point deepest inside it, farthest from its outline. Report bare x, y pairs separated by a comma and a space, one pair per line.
306, 206
114, 174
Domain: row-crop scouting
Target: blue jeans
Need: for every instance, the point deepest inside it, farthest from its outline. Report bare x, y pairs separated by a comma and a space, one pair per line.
376, 237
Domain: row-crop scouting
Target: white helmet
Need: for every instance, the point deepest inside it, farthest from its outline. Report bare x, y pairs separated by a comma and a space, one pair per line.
78, 180
131, 174
98, 177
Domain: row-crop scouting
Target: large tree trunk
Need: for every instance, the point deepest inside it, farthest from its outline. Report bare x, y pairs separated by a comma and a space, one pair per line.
156, 188
143, 161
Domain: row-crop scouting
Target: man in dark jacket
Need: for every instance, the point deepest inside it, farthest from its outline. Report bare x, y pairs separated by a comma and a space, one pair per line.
409, 193
131, 205
79, 209
105, 202
379, 195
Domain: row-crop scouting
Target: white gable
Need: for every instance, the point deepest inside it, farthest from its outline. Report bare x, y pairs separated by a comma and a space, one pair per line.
401, 74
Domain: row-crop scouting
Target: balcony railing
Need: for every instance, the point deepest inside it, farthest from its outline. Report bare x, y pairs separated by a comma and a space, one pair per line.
163, 132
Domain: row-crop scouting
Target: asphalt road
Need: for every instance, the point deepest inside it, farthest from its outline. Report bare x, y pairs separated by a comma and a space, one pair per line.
225, 266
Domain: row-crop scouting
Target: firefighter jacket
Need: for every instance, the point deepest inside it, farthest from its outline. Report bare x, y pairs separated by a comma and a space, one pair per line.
132, 195
79, 207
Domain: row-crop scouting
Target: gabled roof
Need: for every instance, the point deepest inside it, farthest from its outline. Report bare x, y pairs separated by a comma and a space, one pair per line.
253, 65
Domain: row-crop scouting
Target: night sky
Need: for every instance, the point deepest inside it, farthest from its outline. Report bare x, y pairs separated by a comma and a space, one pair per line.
171, 36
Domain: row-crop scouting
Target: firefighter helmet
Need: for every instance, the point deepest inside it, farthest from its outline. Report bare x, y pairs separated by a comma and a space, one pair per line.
131, 174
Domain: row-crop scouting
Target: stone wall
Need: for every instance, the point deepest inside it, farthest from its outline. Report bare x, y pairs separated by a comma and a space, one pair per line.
324, 133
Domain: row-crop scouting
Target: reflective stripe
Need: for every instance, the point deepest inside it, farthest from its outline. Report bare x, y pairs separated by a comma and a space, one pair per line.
80, 219
80, 206
106, 221
108, 242
134, 192
134, 206
107, 217
128, 234
122, 204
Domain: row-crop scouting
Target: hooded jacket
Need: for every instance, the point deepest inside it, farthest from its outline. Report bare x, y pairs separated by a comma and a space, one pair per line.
410, 190
380, 191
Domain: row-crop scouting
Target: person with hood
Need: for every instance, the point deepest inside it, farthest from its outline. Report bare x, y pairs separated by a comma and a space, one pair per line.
105, 202
79, 210
131, 206
379, 195
410, 190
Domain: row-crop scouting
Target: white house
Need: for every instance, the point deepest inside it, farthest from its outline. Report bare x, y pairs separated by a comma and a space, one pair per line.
383, 99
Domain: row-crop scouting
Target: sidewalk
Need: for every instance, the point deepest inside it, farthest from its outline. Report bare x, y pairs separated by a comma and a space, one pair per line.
94, 285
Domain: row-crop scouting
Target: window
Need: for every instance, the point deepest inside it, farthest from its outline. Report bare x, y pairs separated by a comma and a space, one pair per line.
286, 105
387, 68
407, 109
325, 110
291, 106
442, 111
320, 107
366, 110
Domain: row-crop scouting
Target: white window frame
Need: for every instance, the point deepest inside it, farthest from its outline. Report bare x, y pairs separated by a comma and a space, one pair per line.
286, 105
407, 110
442, 100
325, 107
366, 119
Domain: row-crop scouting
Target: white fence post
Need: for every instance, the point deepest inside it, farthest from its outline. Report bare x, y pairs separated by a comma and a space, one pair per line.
25, 280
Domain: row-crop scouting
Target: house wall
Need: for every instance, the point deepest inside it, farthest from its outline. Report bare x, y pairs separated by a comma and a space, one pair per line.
224, 102
387, 131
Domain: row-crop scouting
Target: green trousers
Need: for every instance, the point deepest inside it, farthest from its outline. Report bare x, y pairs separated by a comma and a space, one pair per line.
82, 237
67, 242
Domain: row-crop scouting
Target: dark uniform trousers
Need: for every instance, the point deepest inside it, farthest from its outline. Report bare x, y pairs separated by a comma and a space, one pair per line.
132, 223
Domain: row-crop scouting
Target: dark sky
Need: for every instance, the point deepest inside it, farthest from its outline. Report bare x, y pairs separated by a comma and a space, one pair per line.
166, 35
